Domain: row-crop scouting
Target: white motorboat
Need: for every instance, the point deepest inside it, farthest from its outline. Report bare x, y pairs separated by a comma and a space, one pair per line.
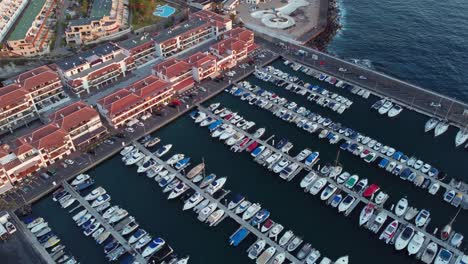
126, 150
385, 107
183, 260
342, 260
389, 231
346, 203
195, 199
153, 247
275, 230
110, 212
430, 124
95, 193
145, 164
259, 132
308, 179
416, 243
266, 255
303, 154
119, 215
404, 238
143, 241
280, 165
434, 188
134, 158
429, 253
150, 143
328, 192
380, 198
378, 222
366, 213
401, 207
215, 217
79, 214
229, 132
39, 227
36, 222
461, 137
207, 180
441, 128
201, 116
66, 203
317, 186
343, 177
130, 227
287, 236
422, 218
163, 150
216, 185
313, 256
279, 258
151, 173
101, 199
242, 207
443, 257
207, 211
256, 249
396, 110
80, 179
251, 211
174, 159
294, 244
178, 190
214, 106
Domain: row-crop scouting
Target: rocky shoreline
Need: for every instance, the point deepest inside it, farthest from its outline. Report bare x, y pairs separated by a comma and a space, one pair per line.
333, 25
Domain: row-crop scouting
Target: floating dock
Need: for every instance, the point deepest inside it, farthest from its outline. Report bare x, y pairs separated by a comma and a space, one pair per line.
122, 241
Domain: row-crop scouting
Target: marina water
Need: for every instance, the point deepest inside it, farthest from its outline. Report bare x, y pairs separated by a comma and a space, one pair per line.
327, 230
423, 42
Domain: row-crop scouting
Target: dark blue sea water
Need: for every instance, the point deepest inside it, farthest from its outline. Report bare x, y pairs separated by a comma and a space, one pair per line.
424, 42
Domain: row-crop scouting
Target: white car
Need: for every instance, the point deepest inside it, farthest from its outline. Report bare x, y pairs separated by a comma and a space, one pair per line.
362, 77
343, 69
69, 162
129, 130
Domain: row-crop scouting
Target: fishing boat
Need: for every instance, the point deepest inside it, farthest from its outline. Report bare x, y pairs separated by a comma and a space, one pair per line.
95, 193
429, 253
137, 235
207, 211
183, 163
242, 207
287, 236
163, 150
294, 244
251, 211
178, 190
152, 142
317, 186
195, 199
195, 170
304, 251
256, 249
366, 213
443, 257
346, 203
80, 179
389, 231
430, 124
416, 243
405, 236
401, 207
267, 225
313, 256
422, 218
216, 185
440, 128
308, 180
207, 180
328, 192
351, 181
235, 201
153, 247
266, 255
378, 222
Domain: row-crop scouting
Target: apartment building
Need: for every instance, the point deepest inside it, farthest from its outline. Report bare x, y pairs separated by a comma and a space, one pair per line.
176, 71
126, 105
234, 47
106, 17
81, 122
10, 11
32, 34
16, 108
141, 48
204, 65
95, 69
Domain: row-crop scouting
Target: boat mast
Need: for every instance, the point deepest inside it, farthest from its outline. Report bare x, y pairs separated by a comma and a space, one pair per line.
453, 219
337, 158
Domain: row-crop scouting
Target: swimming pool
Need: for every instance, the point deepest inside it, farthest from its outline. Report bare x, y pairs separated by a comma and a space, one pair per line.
164, 11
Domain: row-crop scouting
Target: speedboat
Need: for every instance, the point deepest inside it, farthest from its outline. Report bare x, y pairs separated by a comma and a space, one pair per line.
152, 142
183, 163
267, 225
101, 199
208, 121
126, 150
404, 238
260, 217
317, 186
303, 154
37, 228
201, 116
396, 110
256, 249
351, 181
370, 191
95, 193
215, 217
242, 207
429, 253
136, 157
360, 185
275, 230
308, 179
152, 172
304, 251
130, 227
214, 106
257, 151
381, 197
313, 256
430, 124
195, 199
137, 235
366, 213
178, 190
335, 171
336, 200
440, 128
80, 179
118, 215
236, 200
279, 258
143, 241
287, 236
283, 163
422, 218
79, 215
207, 211
311, 159
342, 260
93, 227
346, 203
166, 179
163, 150
389, 231
183, 260
343, 177
216, 185
294, 244
266, 255
401, 207
207, 180
153, 247
461, 137
146, 164
416, 243
171, 186
444, 256
328, 192
259, 132
456, 240
385, 107
251, 211
378, 222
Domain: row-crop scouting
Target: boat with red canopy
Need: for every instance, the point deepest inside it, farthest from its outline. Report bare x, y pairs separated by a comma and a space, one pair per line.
371, 190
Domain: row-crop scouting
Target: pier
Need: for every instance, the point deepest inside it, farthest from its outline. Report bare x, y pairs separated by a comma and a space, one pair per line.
122, 241
359, 198
277, 107
227, 212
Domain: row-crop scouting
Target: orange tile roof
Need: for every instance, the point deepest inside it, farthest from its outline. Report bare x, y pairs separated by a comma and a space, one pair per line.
46, 137
34, 78
229, 44
199, 59
12, 94
240, 33
70, 117
148, 86
172, 67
